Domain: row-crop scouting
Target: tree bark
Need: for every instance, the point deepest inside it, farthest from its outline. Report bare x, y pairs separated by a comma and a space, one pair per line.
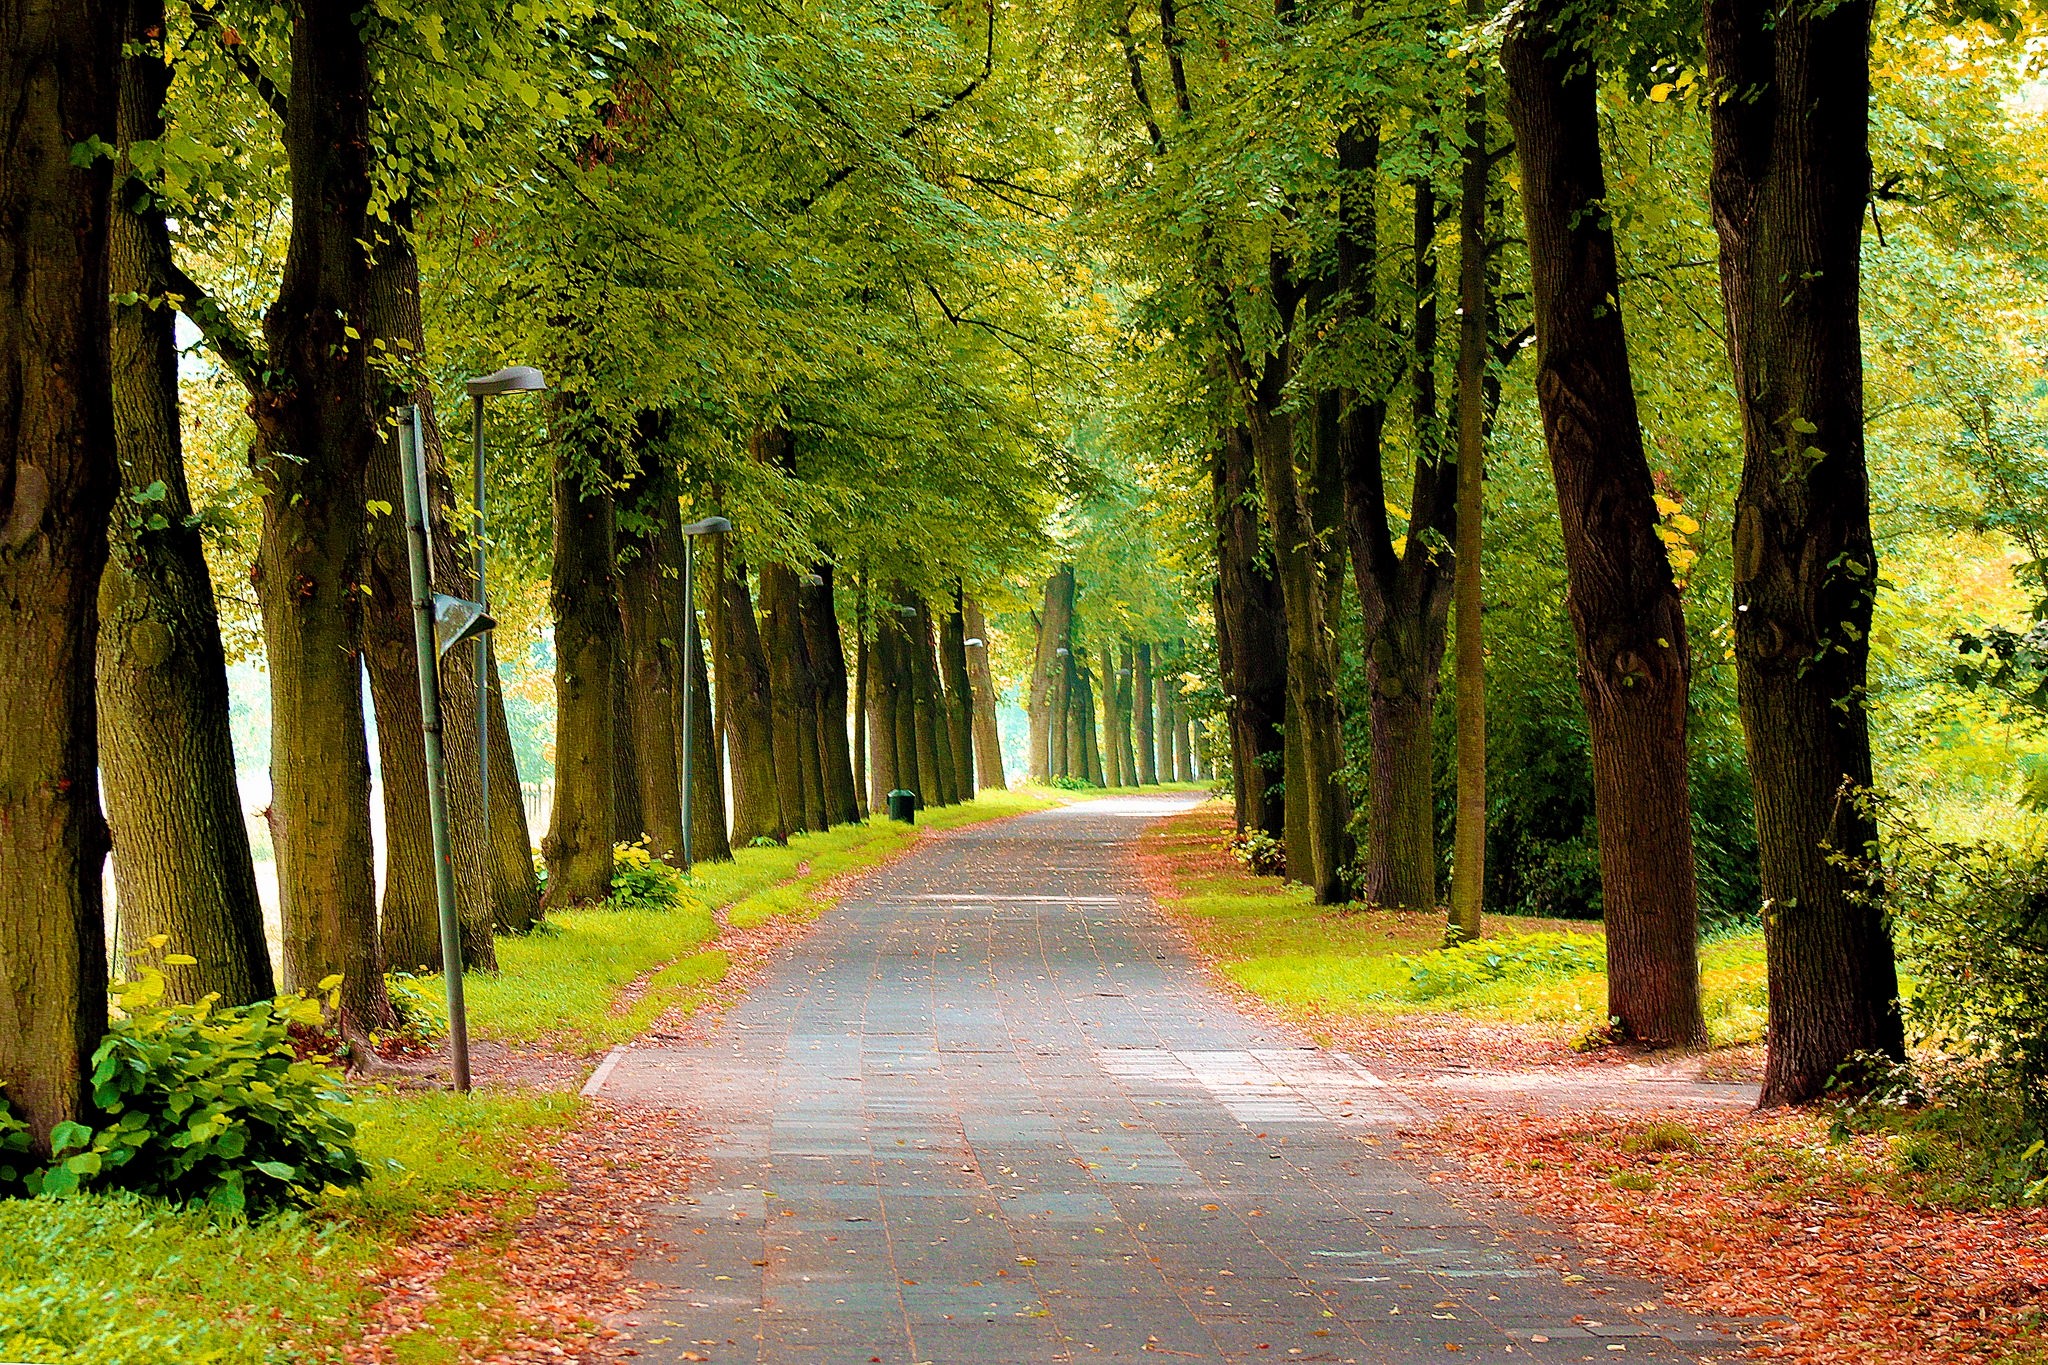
988, 739
1126, 695
1142, 692
863, 700
746, 705
584, 598
58, 481
709, 841
1185, 767
910, 773
651, 636
828, 673
629, 824
1625, 607
409, 916
884, 765
181, 845
1468, 841
316, 433
1404, 594
1251, 639
1162, 693
959, 695
1084, 715
1047, 703
515, 894
1790, 180
1112, 757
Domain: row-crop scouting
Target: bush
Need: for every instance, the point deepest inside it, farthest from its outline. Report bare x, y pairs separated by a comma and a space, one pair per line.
1260, 852
13, 1151
1450, 971
1071, 784
641, 881
208, 1106
421, 1008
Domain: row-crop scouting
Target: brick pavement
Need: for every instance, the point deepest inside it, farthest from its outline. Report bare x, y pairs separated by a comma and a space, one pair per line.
989, 1113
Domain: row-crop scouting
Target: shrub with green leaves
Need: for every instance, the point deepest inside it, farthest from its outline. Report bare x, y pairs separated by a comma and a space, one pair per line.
421, 1008
209, 1106
1260, 852
1450, 971
641, 881
14, 1163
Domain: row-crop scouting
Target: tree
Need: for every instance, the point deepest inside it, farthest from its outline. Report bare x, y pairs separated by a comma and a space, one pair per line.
1626, 612
988, 744
1791, 180
58, 480
584, 604
182, 867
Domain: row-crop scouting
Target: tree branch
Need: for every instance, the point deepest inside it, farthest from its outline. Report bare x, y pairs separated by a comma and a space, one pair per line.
239, 58
244, 358
1137, 69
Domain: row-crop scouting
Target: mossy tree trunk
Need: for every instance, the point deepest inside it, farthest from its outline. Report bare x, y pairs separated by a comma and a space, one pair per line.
1251, 639
745, 703
651, 632
583, 597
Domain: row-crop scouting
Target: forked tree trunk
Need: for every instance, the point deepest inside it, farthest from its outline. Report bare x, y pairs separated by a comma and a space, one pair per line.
828, 674
746, 705
1404, 595
1790, 180
651, 637
584, 598
1251, 639
1625, 607
1468, 844
1141, 704
988, 740
959, 697
58, 479
182, 868
409, 914
316, 432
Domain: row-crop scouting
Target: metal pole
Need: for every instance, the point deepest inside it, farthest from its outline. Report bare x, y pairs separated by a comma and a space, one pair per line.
689, 676
483, 641
414, 480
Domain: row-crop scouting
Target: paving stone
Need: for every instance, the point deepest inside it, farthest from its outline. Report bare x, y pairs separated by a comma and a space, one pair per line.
988, 1113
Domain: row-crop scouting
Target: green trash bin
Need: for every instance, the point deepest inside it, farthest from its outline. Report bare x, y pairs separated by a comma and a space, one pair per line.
903, 806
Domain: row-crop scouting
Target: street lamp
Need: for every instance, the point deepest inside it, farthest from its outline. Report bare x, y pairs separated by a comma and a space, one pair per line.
708, 526
511, 379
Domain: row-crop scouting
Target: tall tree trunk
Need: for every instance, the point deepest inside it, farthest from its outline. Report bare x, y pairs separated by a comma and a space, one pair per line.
884, 765
988, 739
828, 673
1316, 808
58, 480
1251, 639
181, 845
863, 700
796, 713
1126, 695
1625, 607
629, 824
409, 917
1084, 716
932, 690
1162, 705
1468, 842
745, 704
1046, 704
1185, 767
515, 894
584, 598
316, 432
1404, 595
918, 675
651, 635
1142, 692
1790, 180
709, 841
1112, 756
959, 695
911, 775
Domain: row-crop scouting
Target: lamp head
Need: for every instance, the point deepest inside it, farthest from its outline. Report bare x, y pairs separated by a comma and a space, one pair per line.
708, 526
457, 619
511, 379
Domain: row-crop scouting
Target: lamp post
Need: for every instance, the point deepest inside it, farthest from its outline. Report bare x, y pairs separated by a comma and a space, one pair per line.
708, 526
511, 379
440, 623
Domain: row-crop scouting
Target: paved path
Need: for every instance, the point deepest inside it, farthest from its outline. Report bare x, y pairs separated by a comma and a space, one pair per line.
989, 1112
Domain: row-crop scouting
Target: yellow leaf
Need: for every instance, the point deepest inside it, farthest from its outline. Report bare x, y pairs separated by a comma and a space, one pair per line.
159, 940
1662, 92
329, 983
1667, 506
180, 960
1686, 524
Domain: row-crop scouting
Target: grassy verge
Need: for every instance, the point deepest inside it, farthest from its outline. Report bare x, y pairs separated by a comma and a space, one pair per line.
566, 984
114, 1279
1323, 962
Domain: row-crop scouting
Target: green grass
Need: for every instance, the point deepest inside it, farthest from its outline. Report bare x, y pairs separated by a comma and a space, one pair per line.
1270, 938
566, 984
114, 1279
